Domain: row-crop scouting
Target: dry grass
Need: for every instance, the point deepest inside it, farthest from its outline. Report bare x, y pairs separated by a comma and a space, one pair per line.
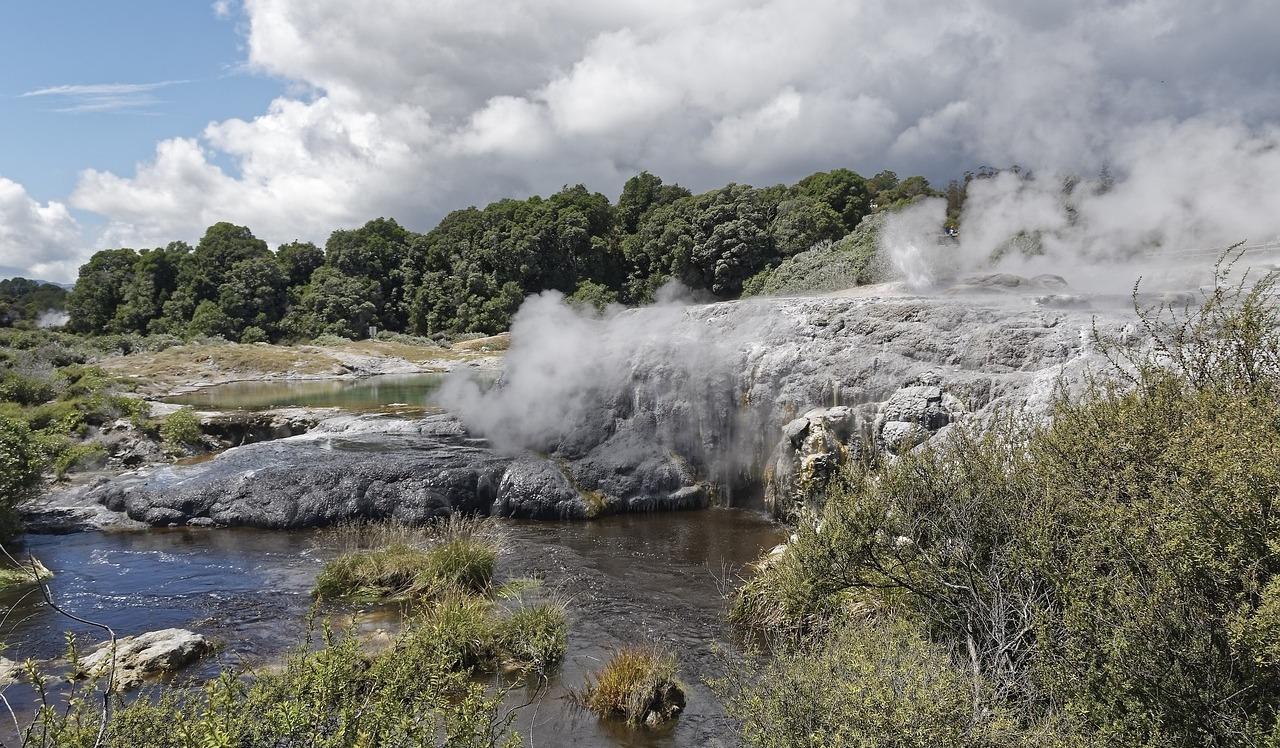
638, 685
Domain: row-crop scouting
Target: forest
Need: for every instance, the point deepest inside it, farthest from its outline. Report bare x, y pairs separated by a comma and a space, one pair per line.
470, 273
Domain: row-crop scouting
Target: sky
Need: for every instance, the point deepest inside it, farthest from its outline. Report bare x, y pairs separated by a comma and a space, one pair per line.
139, 122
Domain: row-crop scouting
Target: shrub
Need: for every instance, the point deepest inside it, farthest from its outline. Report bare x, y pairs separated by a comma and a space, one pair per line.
637, 685
21, 465
78, 457
1114, 567
880, 685
25, 390
331, 698
253, 334
181, 428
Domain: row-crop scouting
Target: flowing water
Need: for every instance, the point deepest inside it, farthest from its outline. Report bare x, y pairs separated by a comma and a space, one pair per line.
627, 580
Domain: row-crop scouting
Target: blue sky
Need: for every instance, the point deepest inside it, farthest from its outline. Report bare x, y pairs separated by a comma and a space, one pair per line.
140, 122
46, 44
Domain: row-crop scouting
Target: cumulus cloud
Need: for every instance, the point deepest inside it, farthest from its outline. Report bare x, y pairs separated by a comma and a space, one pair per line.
419, 108
40, 240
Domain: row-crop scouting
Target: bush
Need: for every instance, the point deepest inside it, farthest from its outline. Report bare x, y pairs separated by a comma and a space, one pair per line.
1114, 567
253, 334
25, 390
78, 457
877, 685
181, 428
637, 685
21, 465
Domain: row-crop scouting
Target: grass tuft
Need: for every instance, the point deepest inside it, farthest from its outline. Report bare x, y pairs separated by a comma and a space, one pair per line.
456, 554
637, 685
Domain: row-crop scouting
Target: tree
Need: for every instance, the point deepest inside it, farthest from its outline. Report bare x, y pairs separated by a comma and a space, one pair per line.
100, 289
209, 319
594, 296
715, 240
220, 249
802, 222
335, 304
299, 260
253, 295
641, 194
20, 468
843, 190
22, 301
152, 282
375, 252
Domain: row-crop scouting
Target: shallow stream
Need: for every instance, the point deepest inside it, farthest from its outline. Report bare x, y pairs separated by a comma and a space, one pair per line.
627, 580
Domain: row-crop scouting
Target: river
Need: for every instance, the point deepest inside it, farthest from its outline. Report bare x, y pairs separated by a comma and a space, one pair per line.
629, 579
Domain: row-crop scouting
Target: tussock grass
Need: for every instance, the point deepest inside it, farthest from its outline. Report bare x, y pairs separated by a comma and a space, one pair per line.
637, 685
533, 638
392, 562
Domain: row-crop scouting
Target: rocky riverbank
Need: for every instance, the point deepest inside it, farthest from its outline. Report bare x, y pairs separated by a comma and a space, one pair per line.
779, 393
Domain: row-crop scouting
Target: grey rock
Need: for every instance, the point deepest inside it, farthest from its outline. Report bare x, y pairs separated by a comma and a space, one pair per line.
10, 672
900, 437
137, 658
702, 404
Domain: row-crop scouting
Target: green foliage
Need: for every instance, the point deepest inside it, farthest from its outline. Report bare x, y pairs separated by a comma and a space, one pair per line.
640, 195
22, 301
1113, 569
532, 638
299, 260
209, 320
470, 273
715, 241
181, 429
334, 304
828, 266
409, 696
867, 685
802, 222
253, 295
20, 466
100, 289
221, 249
593, 296
637, 685
844, 191
77, 457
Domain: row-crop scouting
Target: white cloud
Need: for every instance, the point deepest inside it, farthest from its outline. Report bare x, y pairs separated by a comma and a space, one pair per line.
40, 241
79, 98
419, 108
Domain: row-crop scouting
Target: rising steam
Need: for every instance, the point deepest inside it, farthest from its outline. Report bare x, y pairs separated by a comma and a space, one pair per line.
1175, 194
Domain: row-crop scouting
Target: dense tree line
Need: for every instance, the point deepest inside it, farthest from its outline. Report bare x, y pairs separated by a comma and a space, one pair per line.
470, 273
23, 301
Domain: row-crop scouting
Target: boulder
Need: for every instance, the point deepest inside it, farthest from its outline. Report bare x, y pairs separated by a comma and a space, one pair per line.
144, 656
10, 672
811, 451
